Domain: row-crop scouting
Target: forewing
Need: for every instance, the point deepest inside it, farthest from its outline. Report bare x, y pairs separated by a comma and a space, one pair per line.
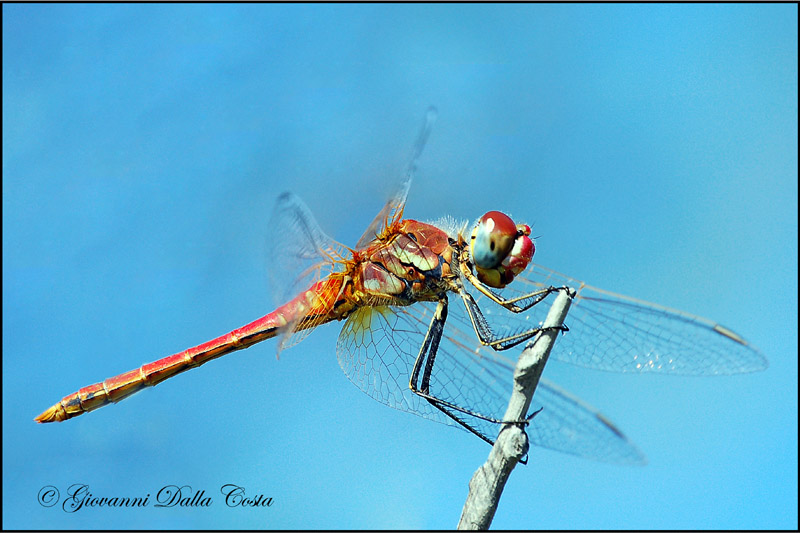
393, 209
608, 331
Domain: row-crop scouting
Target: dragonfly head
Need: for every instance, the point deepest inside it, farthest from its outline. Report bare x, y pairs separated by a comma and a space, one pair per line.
500, 249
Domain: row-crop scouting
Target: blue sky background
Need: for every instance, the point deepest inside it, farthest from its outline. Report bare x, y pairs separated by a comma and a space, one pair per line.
653, 147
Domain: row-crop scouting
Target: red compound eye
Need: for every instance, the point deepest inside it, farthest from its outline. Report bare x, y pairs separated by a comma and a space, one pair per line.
492, 239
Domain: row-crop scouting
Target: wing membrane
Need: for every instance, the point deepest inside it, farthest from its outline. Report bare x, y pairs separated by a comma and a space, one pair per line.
569, 425
617, 333
299, 254
377, 349
393, 209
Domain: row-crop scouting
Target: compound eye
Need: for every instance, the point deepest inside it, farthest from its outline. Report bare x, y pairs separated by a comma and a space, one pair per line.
492, 239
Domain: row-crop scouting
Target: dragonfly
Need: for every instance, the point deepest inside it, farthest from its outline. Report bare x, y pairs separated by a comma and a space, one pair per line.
430, 312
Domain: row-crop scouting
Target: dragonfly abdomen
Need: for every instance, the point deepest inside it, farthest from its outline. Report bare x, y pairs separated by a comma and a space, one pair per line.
310, 308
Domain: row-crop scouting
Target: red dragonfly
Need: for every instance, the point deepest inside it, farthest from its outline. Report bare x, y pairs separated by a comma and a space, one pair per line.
404, 344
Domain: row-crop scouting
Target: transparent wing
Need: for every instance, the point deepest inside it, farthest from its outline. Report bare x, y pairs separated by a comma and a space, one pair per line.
393, 210
568, 424
377, 349
299, 254
617, 333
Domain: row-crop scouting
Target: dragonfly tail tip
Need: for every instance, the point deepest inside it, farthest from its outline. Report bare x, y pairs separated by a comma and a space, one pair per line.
54, 414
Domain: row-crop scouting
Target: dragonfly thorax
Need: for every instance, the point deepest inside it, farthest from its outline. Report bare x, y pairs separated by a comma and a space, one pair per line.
408, 263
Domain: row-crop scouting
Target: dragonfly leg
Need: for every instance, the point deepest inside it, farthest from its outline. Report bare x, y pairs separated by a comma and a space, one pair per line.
484, 331
423, 369
522, 424
518, 304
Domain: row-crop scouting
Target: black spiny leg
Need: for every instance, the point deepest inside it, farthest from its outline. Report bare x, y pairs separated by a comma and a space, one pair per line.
518, 304
485, 333
420, 385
